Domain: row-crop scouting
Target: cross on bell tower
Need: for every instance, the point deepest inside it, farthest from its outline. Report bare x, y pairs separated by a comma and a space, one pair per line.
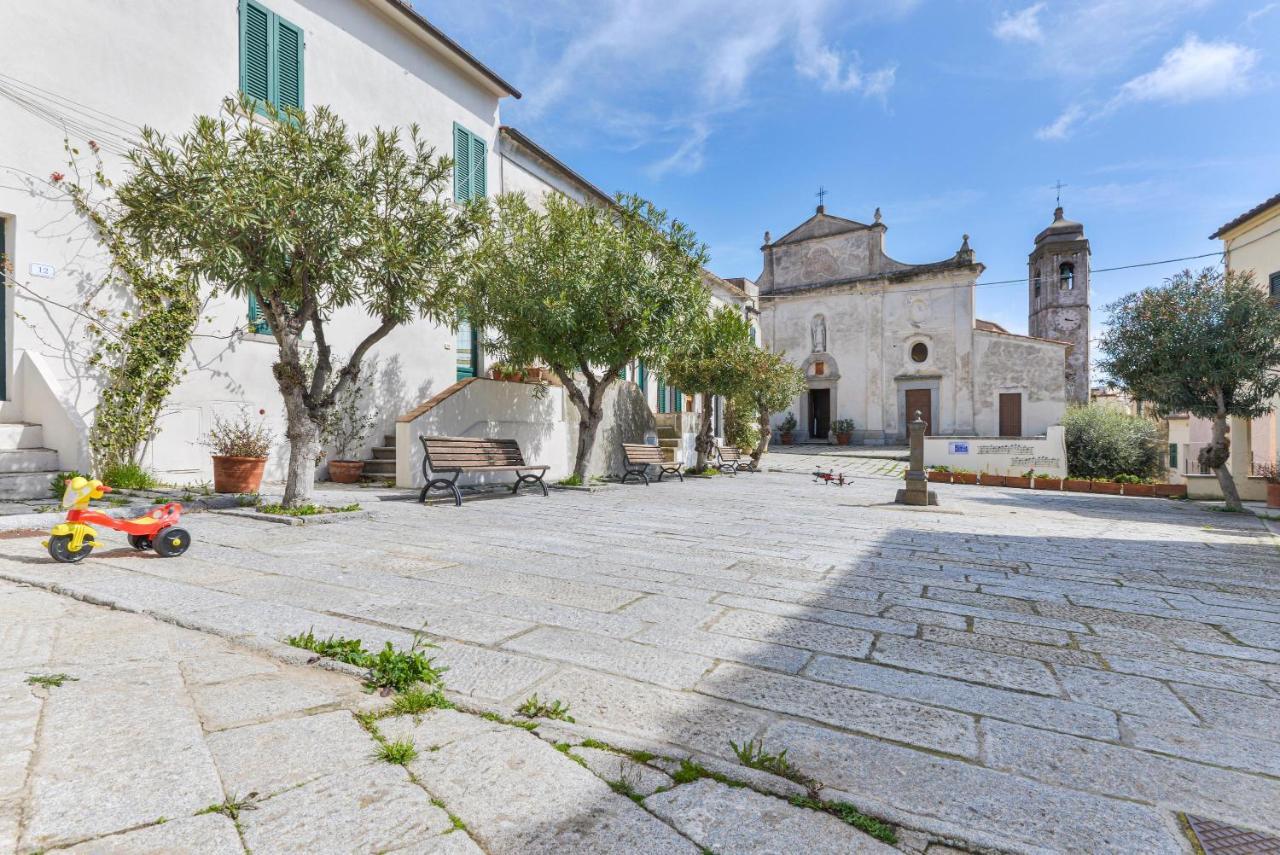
822, 199
1058, 187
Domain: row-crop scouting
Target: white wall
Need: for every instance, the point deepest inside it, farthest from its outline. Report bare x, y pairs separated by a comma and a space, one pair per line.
1033, 368
1000, 455
159, 63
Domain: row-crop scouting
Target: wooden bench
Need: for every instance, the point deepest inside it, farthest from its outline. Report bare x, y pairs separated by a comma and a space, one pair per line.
731, 460
458, 454
639, 457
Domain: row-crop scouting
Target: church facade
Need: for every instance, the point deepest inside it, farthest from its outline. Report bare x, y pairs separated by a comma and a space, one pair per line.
880, 340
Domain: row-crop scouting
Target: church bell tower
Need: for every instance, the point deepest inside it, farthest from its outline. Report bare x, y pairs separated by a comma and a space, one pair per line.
1058, 297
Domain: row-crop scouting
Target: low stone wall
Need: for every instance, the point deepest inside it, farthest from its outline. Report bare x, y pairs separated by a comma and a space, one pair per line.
1000, 455
1206, 487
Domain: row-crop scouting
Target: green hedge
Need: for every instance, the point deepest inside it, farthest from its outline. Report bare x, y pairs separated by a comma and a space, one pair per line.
1103, 442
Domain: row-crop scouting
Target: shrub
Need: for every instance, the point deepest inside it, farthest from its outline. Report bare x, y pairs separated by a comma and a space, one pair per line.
128, 476
788, 423
842, 426
239, 437
1103, 442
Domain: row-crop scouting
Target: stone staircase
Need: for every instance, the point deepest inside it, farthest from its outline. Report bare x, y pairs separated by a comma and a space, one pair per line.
382, 465
669, 439
26, 466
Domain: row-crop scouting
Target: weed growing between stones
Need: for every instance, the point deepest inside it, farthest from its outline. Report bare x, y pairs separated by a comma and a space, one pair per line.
534, 708
401, 752
690, 771
458, 824
753, 755
523, 725
306, 510
389, 669
418, 700
565, 749
50, 681
232, 807
638, 756
849, 814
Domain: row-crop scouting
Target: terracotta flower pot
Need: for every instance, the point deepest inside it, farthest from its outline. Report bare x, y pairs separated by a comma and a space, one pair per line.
1171, 491
786, 437
1139, 489
535, 373
237, 474
345, 471
1047, 483
1077, 485
1017, 481
989, 480
496, 373
939, 477
1110, 488
964, 477
844, 438
1273, 495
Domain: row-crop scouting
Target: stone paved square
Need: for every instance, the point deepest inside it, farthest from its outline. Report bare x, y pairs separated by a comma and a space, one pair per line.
1013, 670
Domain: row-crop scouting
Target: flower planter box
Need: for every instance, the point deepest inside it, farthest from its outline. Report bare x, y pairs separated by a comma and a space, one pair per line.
939, 477
1273, 495
237, 474
1047, 483
964, 477
1139, 489
989, 480
1171, 491
1017, 482
1077, 485
345, 471
1109, 488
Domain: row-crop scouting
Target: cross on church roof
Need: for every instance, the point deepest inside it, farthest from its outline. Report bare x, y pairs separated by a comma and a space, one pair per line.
822, 197
1058, 186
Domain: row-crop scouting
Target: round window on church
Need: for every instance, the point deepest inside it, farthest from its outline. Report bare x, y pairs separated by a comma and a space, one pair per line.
919, 352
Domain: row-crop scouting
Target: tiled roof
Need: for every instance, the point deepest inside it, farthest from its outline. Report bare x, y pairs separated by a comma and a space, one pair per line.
1246, 216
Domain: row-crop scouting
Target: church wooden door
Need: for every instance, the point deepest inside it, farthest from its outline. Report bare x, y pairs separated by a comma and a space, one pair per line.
819, 413
920, 400
1011, 414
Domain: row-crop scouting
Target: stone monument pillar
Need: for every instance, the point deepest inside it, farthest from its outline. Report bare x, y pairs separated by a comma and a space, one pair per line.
917, 491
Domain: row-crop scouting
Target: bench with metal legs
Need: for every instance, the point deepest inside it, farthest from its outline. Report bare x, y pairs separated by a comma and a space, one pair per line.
454, 455
638, 457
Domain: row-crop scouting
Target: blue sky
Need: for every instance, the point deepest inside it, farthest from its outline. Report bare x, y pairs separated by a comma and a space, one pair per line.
1162, 117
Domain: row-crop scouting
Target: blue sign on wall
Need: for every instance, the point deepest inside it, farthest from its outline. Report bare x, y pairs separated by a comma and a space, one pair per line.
959, 447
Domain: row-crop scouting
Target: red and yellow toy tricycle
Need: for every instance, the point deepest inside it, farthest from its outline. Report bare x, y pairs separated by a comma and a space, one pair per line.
73, 540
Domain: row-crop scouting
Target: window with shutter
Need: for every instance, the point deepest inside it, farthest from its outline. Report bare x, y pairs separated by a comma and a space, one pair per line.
662, 395
1275, 285
257, 321
470, 166
271, 57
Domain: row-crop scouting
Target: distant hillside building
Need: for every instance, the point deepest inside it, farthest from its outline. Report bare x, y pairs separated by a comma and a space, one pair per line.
880, 339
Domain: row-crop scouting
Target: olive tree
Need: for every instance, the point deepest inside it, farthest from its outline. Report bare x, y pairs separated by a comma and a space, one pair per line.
586, 290
712, 359
1207, 344
772, 384
289, 208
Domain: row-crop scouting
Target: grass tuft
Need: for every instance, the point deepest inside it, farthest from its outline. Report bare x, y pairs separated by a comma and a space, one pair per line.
308, 510
852, 816
388, 668
501, 719
418, 700
401, 752
753, 755
232, 807
50, 681
691, 771
534, 708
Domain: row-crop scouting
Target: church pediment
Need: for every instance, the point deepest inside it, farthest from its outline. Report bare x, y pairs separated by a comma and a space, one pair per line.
820, 225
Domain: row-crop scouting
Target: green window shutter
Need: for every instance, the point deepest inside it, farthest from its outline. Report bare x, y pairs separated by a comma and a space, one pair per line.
461, 164
679, 401
479, 168
257, 321
1173, 455
289, 65
662, 395
641, 381
466, 347
255, 50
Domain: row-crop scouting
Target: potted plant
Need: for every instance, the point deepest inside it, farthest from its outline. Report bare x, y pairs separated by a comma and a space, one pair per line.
844, 430
1041, 481
1269, 472
964, 476
1021, 482
987, 479
347, 429
240, 451
1106, 486
940, 475
786, 430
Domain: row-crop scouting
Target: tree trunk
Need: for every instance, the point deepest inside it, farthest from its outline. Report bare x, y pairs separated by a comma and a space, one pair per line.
301, 429
704, 441
762, 444
590, 415
1221, 458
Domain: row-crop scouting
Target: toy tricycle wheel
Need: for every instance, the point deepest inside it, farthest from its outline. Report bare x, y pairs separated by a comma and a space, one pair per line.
171, 542
60, 550
140, 542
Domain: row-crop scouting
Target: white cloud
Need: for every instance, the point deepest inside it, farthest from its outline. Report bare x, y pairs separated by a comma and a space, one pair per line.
1193, 71
689, 157
1062, 127
1021, 26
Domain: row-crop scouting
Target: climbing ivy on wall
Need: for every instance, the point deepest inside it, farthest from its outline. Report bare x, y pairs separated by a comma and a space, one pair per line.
139, 351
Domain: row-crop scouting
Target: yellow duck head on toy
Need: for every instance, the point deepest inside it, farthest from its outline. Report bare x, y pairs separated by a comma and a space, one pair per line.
80, 491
